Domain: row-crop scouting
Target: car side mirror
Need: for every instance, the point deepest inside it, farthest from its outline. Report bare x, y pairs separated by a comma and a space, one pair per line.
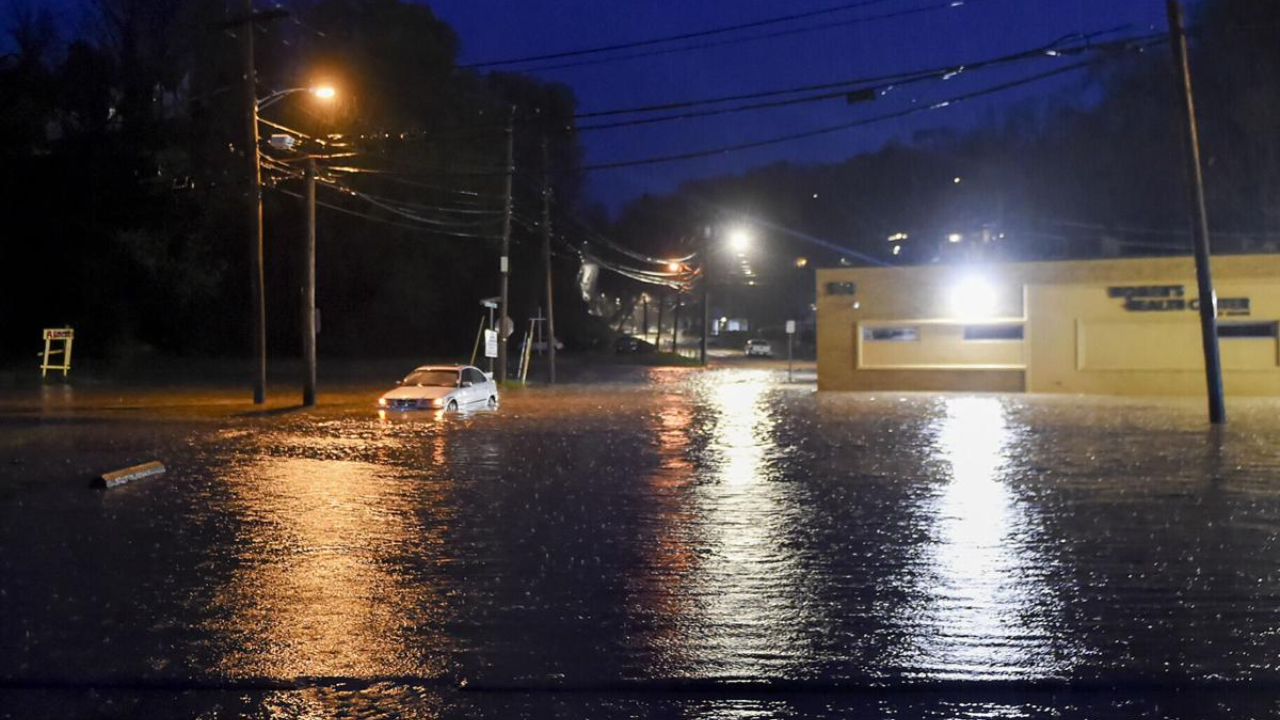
466, 383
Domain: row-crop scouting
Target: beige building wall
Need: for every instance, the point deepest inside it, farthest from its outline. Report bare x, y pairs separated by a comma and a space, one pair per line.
1105, 326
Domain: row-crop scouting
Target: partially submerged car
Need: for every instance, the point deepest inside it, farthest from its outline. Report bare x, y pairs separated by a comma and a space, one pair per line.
442, 387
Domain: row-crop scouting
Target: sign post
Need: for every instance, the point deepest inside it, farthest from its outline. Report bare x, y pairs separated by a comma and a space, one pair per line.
490, 304
66, 335
791, 333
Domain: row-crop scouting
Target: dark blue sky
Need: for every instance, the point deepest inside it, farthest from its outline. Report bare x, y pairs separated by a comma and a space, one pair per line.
495, 29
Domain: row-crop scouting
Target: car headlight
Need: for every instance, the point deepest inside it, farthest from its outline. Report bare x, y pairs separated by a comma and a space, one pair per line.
382, 402
438, 402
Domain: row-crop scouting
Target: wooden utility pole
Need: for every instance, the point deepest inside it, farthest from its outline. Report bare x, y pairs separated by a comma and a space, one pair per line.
675, 328
546, 260
253, 207
644, 298
662, 305
505, 261
1200, 220
309, 291
706, 313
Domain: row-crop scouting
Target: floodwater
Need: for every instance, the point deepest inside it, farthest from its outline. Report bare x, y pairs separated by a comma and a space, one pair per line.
659, 543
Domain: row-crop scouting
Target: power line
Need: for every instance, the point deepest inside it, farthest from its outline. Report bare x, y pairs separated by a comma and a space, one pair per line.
949, 4
442, 226
372, 218
1051, 49
852, 85
837, 128
923, 76
673, 38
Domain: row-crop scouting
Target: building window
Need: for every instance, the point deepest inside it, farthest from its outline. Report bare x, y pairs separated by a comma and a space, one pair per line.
992, 332
1247, 330
908, 333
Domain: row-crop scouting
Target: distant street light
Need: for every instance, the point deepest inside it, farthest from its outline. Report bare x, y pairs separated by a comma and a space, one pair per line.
955, 237
739, 240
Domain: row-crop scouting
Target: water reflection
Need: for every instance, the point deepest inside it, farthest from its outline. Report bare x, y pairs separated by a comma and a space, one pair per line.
987, 606
661, 594
751, 585
317, 590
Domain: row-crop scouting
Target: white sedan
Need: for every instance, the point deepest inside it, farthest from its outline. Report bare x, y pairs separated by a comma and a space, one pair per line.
442, 387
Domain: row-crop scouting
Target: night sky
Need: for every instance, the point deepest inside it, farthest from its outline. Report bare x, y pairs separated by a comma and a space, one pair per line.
499, 29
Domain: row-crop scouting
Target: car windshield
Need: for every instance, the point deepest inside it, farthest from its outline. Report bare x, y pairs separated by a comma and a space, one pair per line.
439, 378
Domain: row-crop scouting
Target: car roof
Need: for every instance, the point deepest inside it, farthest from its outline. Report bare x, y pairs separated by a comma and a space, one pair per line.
447, 368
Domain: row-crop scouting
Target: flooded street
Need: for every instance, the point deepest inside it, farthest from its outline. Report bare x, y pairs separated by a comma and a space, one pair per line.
649, 543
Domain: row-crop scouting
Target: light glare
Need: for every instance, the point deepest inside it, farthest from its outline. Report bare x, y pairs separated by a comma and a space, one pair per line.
973, 297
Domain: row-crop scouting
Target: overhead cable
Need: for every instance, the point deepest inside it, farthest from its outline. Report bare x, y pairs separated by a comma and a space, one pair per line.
724, 150
674, 38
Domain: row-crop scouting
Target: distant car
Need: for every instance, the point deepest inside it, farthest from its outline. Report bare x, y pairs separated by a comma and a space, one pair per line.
758, 347
442, 387
628, 344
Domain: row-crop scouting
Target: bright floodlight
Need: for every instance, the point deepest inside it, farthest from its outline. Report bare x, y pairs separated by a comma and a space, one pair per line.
673, 266
324, 92
955, 237
739, 240
973, 297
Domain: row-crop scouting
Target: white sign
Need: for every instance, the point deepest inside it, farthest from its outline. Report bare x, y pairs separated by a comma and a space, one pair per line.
491, 343
791, 327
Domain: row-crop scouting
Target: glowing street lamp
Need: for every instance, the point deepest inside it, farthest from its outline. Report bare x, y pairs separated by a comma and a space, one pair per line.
322, 92
739, 240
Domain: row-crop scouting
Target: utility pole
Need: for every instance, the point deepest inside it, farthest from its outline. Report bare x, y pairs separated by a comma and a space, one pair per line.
644, 298
1200, 221
662, 306
706, 297
546, 260
253, 208
309, 291
504, 262
675, 329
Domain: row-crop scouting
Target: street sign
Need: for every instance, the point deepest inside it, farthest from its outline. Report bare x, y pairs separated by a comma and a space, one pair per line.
490, 343
491, 303
791, 333
51, 335
508, 327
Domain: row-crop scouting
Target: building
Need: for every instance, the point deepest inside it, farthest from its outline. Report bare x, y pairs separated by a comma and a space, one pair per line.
1127, 327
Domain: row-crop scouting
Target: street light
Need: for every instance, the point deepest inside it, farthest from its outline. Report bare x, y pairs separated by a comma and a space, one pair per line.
323, 92
257, 282
739, 240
